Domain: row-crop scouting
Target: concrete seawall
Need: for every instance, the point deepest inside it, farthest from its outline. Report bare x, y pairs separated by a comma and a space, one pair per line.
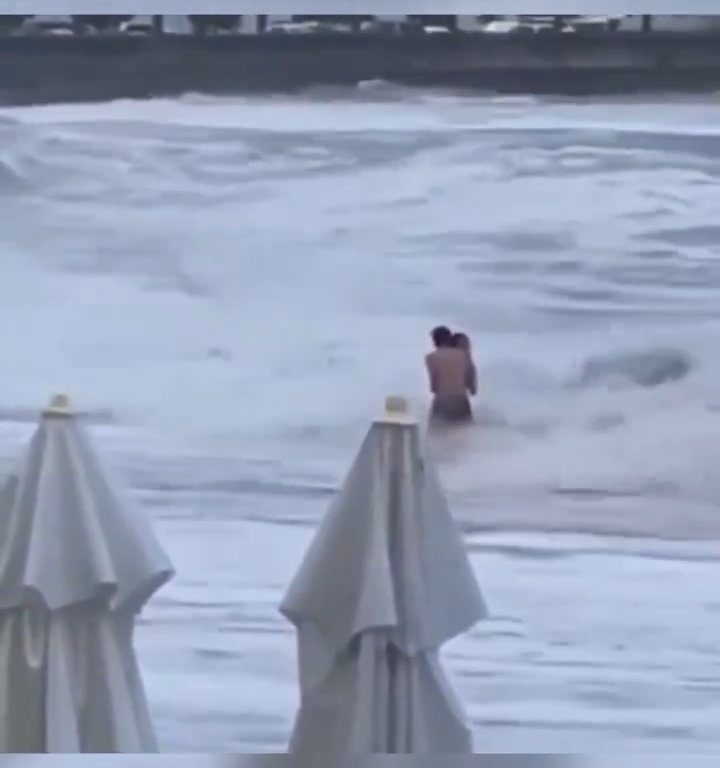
47, 69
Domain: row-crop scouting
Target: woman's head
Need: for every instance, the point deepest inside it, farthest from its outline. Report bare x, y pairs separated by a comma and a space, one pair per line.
461, 341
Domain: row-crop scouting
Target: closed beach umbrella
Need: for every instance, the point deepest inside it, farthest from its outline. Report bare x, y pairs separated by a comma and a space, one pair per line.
384, 585
76, 567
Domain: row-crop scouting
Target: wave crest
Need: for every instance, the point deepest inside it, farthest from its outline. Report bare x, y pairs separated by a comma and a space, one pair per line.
10, 180
649, 368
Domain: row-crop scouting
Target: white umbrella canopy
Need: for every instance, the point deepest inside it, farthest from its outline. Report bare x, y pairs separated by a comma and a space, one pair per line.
76, 567
384, 585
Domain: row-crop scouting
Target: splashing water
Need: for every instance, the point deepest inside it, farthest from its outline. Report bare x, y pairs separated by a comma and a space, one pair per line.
240, 282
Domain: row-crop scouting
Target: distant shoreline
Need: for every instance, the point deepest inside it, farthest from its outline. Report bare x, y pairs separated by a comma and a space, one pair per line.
44, 70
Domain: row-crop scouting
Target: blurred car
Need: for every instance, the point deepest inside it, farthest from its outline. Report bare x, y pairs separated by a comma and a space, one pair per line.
309, 28
292, 28
512, 27
593, 24
387, 26
50, 25
138, 25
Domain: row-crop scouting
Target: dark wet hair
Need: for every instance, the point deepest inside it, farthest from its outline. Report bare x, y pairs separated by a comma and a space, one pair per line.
441, 336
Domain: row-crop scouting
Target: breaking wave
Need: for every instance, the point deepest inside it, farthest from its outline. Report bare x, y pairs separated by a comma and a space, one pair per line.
650, 368
10, 180
249, 278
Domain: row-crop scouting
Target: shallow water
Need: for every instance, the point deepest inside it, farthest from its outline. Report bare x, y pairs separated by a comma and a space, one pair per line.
230, 288
590, 646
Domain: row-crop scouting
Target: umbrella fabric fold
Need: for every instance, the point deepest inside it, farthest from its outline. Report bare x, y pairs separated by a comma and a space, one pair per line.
76, 566
66, 534
384, 585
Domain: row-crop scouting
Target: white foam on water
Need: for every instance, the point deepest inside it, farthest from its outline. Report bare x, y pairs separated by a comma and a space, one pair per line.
252, 276
234, 285
586, 643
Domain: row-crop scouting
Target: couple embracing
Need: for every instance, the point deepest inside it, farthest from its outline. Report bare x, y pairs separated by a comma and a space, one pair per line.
453, 377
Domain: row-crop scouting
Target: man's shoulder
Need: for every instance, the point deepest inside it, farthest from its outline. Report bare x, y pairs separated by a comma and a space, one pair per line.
448, 352
444, 355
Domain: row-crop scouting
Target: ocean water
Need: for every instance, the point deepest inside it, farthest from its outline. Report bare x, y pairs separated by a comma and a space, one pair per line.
230, 287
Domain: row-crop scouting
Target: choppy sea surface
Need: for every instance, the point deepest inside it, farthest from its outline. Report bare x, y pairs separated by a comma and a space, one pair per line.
229, 288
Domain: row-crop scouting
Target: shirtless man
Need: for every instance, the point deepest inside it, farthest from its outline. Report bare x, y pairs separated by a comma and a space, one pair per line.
448, 370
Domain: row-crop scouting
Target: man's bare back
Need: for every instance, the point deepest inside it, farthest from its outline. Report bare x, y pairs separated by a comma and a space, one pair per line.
447, 368
449, 372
